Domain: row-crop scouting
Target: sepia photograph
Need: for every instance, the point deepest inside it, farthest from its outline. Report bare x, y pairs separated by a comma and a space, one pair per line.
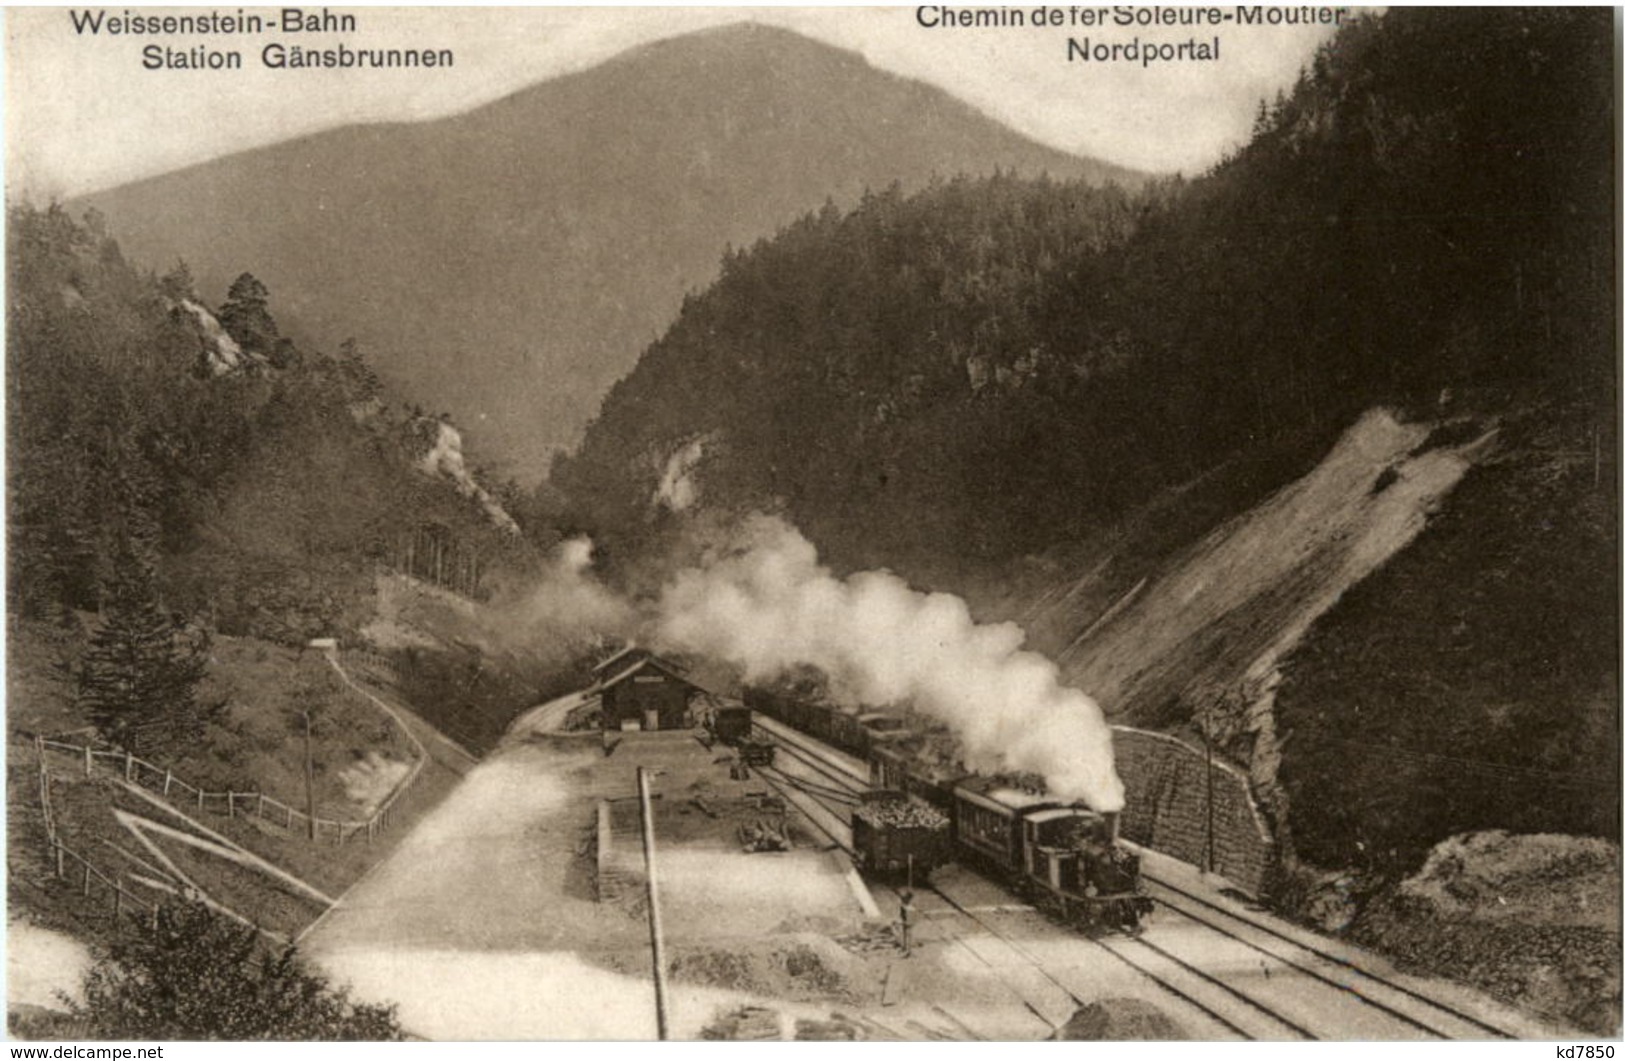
903, 524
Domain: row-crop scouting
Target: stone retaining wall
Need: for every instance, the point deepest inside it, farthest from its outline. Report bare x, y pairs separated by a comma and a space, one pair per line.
1167, 807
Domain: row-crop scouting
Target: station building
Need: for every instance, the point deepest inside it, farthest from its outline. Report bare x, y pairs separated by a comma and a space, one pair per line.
639, 690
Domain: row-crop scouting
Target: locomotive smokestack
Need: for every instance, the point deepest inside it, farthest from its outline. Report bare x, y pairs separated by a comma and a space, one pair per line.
1113, 821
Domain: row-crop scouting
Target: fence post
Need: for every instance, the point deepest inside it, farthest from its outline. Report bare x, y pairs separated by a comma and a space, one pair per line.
87, 760
200, 799
262, 805
45, 802
169, 779
118, 901
87, 877
129, 765
231, 803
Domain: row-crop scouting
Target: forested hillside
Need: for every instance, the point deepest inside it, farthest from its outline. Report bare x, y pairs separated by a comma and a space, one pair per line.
1112, 415
559, 227
993, 378
990, 367
256, 480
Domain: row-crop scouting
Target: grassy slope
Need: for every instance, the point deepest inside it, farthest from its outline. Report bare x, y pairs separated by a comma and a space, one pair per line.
253, 746
256, 741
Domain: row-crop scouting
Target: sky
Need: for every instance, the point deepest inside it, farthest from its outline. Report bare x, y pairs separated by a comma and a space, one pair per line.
83, 114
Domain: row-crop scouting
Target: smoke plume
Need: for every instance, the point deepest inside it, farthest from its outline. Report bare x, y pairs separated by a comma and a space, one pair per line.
567, 607
766, 605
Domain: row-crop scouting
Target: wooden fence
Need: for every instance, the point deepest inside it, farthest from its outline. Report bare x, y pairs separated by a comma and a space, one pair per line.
254, 804
377, 663
89, 876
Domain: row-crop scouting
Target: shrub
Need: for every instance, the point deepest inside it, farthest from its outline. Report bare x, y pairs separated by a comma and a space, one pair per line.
201, 976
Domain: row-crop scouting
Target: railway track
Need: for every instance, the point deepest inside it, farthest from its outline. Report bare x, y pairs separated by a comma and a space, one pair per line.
1403, 1003
1255, 979
846, 773
827, 820
1050, 987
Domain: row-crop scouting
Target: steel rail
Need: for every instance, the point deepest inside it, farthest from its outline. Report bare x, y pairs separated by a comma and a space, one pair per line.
1160, 981
798, 748
1027, 956
1466, 1018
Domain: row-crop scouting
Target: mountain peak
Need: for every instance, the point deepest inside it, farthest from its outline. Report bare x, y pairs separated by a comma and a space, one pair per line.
510, 263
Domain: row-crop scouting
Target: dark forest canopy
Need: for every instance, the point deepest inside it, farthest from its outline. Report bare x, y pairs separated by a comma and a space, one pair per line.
258, 483
989, 366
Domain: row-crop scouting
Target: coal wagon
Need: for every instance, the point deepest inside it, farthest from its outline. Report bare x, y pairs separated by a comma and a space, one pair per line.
894, 836
731, 725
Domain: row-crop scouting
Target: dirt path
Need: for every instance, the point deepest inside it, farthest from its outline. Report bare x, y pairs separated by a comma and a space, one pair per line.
430, 742
548, 717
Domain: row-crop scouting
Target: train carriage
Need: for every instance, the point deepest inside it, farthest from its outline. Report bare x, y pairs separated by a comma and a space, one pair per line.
819, 721
1065, 857
893, 835
988, 818
893, 767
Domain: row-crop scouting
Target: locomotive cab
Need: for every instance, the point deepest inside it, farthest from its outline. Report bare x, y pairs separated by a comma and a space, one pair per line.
1051, 842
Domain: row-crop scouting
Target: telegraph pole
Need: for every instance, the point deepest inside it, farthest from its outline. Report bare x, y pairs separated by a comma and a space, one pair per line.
656, 941
1207, 743
310, 779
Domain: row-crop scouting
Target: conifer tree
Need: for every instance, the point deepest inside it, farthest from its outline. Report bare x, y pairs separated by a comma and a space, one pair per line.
178, 283
138, 679
246, 316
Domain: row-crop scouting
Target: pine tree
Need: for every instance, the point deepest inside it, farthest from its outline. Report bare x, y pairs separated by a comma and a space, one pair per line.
138, 680
246, 316
178, 283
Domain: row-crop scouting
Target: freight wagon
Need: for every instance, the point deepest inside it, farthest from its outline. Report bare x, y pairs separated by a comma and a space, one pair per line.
850, 730
1065, 855
894, 836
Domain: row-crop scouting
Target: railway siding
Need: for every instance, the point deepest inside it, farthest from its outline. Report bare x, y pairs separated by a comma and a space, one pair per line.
1450, 1010
1219, 962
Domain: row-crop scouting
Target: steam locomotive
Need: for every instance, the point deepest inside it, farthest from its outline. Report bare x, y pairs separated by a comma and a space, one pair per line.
1066, 857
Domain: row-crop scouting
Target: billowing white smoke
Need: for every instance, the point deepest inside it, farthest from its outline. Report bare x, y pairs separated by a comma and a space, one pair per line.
766, 605
565, 608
